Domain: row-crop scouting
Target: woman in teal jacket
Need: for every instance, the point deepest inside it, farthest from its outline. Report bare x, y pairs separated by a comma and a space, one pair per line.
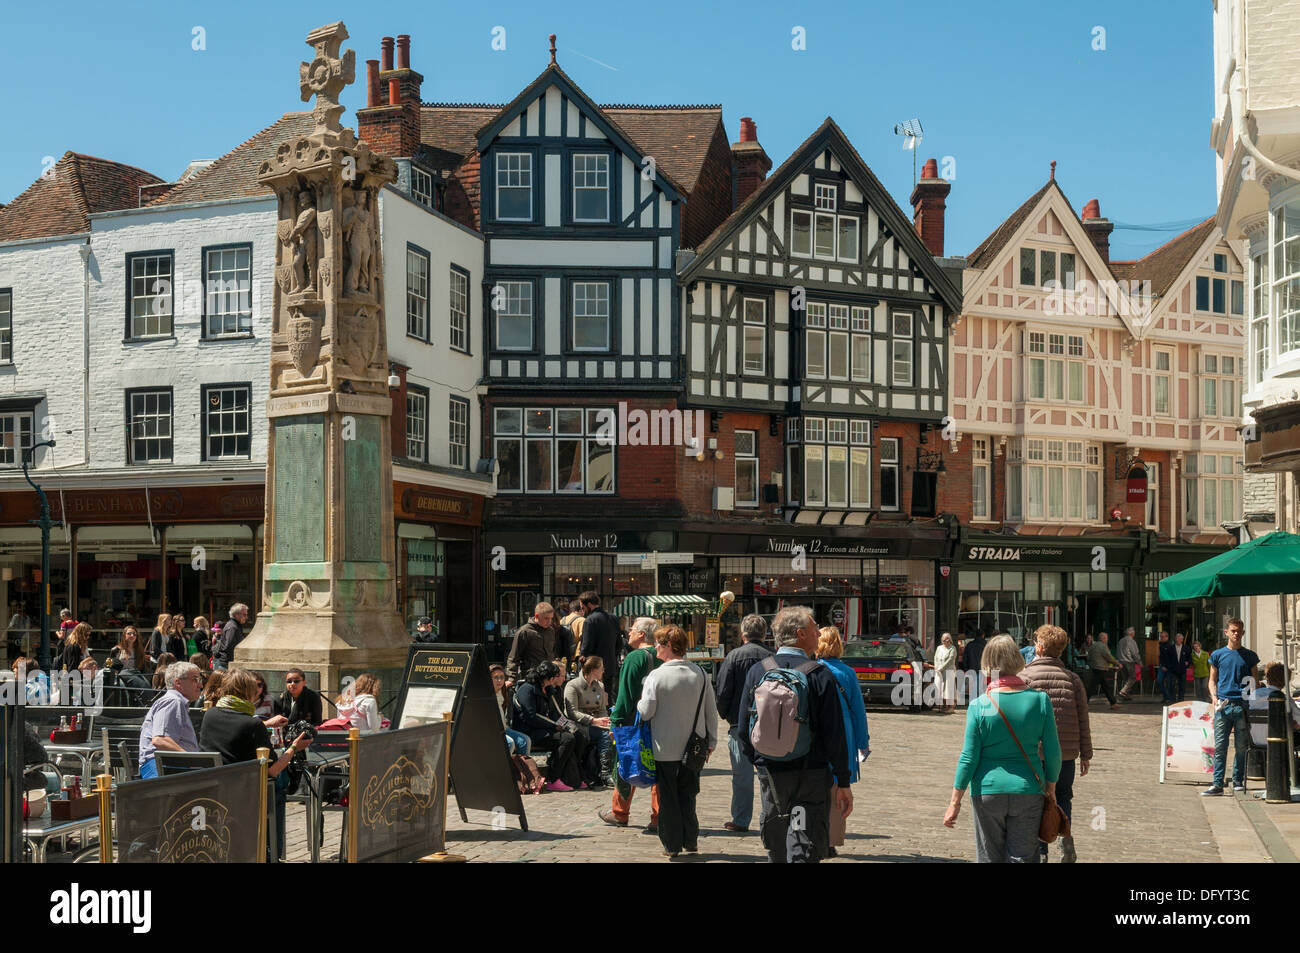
1005, 787
829, 649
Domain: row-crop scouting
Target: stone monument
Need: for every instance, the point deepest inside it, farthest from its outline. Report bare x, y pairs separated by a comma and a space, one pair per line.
328, 601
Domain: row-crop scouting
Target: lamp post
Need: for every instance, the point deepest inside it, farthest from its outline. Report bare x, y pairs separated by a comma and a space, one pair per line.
45, 524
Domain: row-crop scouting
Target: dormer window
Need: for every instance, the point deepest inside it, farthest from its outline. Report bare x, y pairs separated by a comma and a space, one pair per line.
514, 186
422, 186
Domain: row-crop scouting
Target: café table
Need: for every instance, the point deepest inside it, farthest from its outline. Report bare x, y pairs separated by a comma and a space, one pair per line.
41, 830
319, 761
86, 752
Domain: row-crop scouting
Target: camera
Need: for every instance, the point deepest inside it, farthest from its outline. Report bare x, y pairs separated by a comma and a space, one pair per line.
296, 728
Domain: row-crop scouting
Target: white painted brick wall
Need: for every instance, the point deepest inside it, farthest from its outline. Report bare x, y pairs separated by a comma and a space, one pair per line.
47, 283
1272, 39
48, 321
1259, 493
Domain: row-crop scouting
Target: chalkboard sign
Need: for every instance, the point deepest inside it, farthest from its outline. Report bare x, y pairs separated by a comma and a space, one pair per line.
401, 798
199, 817
455, 678
1187, 743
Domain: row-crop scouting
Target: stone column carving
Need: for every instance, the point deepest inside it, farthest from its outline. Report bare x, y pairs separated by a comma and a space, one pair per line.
329, 583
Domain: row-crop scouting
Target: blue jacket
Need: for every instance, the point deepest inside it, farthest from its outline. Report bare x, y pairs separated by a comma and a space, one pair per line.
853, 710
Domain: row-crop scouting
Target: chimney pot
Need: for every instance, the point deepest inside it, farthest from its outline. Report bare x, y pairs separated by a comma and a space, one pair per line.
1098, 228
748, 130
749, 163
403, 51
394, 91
1092, 209
929, 204
372, 83
386, 53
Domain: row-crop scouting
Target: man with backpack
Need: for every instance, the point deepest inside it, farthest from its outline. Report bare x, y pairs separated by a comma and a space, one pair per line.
792, 730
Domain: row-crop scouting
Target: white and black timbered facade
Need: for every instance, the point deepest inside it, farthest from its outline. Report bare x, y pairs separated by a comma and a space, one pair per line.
581, 229
817, 295
817, 301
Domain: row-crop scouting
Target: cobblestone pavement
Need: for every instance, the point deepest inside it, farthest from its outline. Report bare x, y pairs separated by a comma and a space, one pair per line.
1121, 810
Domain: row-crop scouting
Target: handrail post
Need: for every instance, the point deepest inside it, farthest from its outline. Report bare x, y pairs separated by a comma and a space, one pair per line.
263, 775
354, 782
104, 788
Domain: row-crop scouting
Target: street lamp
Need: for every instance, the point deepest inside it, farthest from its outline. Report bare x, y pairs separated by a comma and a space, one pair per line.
45, 524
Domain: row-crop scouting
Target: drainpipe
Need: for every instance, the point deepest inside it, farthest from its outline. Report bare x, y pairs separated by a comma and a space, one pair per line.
84, 251
1237, 100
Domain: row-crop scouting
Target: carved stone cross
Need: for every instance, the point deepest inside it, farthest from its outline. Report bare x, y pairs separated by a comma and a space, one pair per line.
326, 75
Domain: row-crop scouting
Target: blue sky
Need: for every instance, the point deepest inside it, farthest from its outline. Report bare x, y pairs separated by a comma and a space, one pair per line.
1001, 88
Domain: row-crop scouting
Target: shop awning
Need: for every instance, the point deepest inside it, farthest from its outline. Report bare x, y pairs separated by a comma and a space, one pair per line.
634, 606
1268, 565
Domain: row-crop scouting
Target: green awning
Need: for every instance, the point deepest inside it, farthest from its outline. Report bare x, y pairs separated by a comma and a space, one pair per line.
1266, 566
634, 606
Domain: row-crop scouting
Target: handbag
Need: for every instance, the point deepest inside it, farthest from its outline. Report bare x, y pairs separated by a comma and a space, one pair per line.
636, 753
697, 745
1054, 823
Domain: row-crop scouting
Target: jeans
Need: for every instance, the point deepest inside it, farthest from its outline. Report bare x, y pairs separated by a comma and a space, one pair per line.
1006, 827
1231, 716
742, 784
1179, 684
1203, 689
518, 742
1102, 676
679, 826
794, 819
149, 769
1166, 680
1064, 796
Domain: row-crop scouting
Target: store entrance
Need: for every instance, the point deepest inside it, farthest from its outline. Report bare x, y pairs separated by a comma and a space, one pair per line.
1096, 613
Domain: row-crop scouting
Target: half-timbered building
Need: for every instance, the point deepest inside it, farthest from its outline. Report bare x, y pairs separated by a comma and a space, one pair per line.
583, 209
1098, 402
815, 332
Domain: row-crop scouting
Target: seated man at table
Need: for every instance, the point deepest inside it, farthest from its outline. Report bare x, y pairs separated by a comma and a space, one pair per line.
167, 726
1274, 679
298, 703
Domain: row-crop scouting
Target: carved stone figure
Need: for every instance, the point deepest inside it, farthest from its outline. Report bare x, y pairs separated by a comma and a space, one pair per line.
358, 228
306, 247
284, 235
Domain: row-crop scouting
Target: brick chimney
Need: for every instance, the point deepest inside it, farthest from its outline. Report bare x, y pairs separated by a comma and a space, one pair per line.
1098, 228
749, 163
929, 200
390, 123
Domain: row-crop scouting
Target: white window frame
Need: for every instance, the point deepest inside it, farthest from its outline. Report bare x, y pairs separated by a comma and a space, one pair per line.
514, 170
457, 309
417, 424
981, 479
583, 296
1168, 377
228, 292
515, 300
147, 314
589, 179
421, 186
6, 326
458, 432
890, 452
902, 344
418, 281
232, 423
754, 332
16, 430
746, 458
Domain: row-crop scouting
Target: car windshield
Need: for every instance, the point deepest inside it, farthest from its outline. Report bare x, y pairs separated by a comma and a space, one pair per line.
879, 650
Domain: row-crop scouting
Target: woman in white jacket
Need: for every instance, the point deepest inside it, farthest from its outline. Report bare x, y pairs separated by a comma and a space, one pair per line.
359, 703
945, 673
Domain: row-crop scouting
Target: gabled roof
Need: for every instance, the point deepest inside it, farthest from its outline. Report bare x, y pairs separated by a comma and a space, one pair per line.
1163, 266
678, 137
235, 174
829, 134
77, 186
988, 249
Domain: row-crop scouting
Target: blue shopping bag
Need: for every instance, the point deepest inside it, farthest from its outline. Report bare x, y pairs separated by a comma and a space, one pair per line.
636, 754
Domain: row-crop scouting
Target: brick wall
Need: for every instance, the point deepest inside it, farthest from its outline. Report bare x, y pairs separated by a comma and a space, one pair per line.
1259, 493
461, 199
710, 201
696, 479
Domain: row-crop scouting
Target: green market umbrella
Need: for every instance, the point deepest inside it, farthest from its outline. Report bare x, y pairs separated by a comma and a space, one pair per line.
1265, 566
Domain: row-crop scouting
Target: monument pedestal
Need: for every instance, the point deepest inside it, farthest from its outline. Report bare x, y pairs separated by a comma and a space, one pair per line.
329, 593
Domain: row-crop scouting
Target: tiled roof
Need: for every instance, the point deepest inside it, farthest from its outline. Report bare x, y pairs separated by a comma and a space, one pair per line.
677, 137
1163, 266
61, 204
988, 249
235, 174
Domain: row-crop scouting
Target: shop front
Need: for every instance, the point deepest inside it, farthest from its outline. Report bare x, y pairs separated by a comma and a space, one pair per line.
124, 556
867, 585
439, 558
1086, 585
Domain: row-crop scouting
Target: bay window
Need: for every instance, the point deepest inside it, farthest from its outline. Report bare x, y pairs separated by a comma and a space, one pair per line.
830, 464
1286, 275
1053, 480
1211, 490
1259, 310
568, 450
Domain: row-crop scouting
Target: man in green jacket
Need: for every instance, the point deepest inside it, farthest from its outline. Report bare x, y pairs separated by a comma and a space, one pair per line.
640, 661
